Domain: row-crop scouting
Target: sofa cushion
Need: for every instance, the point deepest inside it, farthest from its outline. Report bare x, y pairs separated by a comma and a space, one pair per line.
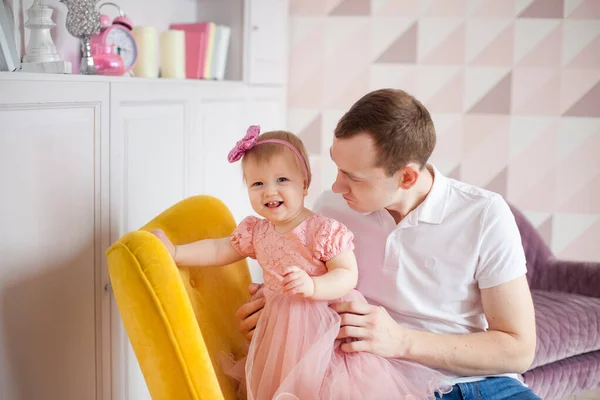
565, 377
567, 325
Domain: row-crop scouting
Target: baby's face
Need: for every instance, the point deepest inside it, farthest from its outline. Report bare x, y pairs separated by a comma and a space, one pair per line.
276, 189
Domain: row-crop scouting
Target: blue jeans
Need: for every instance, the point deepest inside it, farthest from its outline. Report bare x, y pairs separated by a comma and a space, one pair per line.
501, 388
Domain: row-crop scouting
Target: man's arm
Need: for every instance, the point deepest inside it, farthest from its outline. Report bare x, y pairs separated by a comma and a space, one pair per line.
507, 347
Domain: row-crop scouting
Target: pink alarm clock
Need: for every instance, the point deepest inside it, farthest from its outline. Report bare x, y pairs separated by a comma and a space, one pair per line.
117, 35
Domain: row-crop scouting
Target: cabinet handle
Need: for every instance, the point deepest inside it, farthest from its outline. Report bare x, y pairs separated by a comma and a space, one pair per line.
254, 28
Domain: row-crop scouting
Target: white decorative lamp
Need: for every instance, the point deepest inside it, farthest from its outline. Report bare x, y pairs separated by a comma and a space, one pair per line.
41, 54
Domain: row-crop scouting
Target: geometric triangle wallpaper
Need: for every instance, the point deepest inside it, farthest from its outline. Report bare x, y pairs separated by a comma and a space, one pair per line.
513, 88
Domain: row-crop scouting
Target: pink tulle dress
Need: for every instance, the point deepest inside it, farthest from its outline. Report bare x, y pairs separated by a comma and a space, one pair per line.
294, 353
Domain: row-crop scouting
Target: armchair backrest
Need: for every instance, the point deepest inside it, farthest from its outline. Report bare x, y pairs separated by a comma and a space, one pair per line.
180, 320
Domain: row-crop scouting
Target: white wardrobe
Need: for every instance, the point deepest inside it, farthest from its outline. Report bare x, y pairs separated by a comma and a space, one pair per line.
85, 159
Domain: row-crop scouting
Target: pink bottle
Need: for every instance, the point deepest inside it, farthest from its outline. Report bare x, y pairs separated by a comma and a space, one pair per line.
107, 62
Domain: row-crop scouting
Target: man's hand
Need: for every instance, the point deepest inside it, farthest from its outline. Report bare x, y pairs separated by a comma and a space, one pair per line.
249, 313
297, 281
375, 330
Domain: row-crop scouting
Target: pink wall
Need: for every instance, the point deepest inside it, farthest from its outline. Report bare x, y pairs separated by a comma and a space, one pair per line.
513, 86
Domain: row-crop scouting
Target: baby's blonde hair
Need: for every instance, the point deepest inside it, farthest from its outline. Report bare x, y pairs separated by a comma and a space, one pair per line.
263, 153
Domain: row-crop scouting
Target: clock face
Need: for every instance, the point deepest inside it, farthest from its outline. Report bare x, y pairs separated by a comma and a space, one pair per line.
124, 45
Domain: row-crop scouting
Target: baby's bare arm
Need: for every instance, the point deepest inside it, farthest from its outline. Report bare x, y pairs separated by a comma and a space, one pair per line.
202, 253
340, 279
206, 253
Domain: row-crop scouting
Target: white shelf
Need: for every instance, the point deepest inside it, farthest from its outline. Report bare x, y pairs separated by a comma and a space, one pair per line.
30, 76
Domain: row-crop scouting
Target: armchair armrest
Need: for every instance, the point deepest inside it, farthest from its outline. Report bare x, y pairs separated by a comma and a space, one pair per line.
569, 276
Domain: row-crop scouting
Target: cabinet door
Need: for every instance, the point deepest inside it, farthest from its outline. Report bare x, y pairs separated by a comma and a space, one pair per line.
150, 126
268, 111
222, 125
267, 33
54, 314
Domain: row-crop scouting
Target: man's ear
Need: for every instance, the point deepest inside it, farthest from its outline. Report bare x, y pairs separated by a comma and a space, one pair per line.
408, 176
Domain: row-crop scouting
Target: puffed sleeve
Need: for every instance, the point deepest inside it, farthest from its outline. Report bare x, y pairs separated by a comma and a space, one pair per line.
242, 238
332, 238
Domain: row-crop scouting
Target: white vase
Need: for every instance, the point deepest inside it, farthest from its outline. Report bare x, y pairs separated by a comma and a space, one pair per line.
41, 47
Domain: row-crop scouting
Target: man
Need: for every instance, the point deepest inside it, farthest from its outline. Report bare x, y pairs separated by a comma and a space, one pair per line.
440, 261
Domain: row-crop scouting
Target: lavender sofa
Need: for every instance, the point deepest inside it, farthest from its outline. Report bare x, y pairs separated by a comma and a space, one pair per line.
566, 296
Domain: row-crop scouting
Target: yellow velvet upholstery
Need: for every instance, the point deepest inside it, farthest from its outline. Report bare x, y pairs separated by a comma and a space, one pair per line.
179, 319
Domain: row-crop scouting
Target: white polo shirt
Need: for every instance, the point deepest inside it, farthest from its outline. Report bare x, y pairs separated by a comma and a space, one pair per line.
428, 269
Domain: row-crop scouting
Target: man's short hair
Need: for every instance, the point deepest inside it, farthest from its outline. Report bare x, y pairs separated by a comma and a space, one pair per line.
399, 124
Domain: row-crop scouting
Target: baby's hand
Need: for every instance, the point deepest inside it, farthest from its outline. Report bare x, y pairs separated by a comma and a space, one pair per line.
160, 234
297, 281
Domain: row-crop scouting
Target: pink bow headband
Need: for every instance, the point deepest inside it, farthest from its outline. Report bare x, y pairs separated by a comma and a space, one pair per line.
250, 140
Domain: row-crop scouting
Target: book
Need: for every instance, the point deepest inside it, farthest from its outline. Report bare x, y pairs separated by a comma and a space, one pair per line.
207, 44
210, 46
196, 43
221, 47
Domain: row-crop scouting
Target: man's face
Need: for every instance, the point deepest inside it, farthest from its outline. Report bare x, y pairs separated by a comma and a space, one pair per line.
365, 187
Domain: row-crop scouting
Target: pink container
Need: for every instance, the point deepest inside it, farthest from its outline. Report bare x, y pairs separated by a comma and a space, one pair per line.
106, 61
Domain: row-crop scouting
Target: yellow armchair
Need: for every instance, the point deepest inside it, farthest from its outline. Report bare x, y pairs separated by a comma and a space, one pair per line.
180, 319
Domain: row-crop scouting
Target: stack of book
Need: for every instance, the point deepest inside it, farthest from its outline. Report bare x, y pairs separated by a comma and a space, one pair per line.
206, 46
